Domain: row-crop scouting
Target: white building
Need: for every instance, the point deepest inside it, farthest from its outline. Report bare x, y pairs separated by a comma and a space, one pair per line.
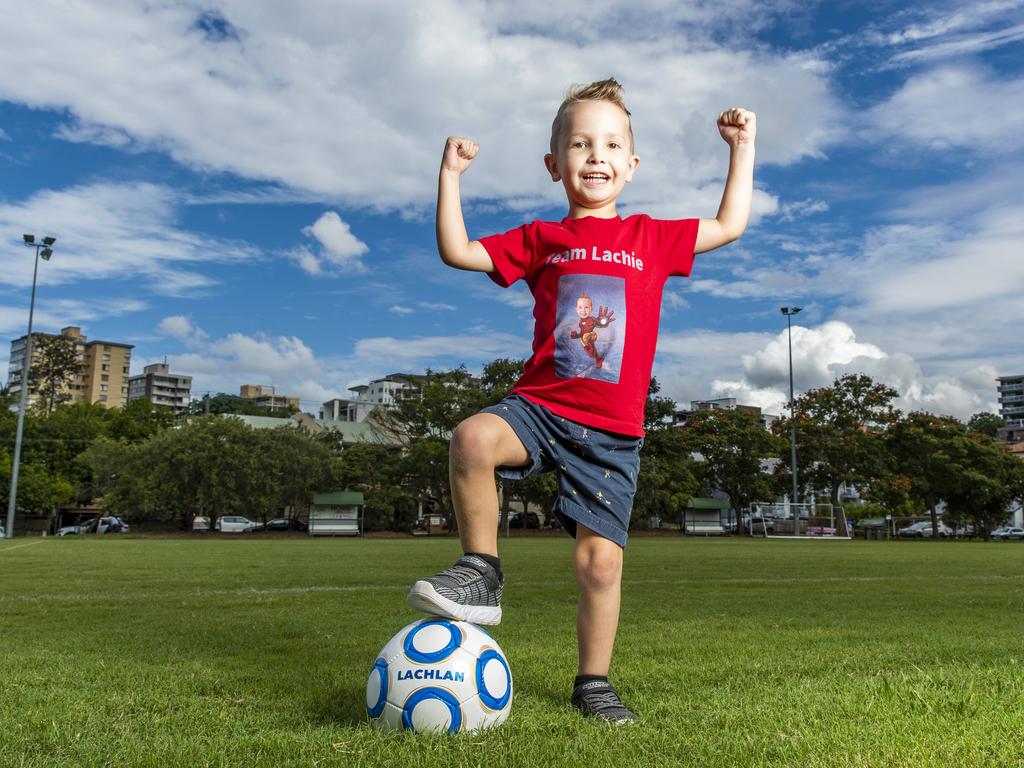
382, 392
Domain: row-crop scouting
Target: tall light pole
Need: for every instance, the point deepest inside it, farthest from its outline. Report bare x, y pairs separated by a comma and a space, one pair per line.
789, 312
42, 249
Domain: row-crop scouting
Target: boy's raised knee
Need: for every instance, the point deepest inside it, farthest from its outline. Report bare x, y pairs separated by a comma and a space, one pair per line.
474, 443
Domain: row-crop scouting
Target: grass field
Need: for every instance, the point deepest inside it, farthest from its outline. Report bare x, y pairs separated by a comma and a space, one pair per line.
250, 652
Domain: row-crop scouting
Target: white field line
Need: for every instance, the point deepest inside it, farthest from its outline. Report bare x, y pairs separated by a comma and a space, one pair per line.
19, 546
328, 589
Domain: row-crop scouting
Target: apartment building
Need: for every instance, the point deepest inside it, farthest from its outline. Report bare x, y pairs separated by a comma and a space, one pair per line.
102, 377
680, 416
382, 392
263, 394
1011, 400
161, 387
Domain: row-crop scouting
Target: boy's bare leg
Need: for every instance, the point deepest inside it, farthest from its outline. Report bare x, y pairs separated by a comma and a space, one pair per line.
597, 562
479, 445
471, 589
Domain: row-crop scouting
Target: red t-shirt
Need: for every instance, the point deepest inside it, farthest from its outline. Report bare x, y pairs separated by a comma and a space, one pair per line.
597, 286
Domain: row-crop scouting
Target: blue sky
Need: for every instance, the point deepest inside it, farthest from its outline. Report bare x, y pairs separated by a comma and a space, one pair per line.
247, 188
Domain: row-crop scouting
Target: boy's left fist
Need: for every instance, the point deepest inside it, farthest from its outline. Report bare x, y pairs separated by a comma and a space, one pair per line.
737, 126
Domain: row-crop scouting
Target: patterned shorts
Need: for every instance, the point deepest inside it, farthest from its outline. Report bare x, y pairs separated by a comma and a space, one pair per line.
597, 470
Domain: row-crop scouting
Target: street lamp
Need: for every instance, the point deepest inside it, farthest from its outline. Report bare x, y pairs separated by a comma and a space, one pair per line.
42, 249
789, 312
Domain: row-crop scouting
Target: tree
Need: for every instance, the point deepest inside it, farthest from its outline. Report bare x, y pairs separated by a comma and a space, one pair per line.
39, 489
137, 420
51, 375
667, 478
839, 432
7, 400
733, 445
985, 423
436, 406
919, 447
222, 403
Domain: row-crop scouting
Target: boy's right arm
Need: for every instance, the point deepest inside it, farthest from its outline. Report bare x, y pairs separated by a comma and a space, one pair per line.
454, 245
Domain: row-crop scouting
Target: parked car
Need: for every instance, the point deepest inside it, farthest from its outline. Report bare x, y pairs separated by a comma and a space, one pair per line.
519, 520
104, 524
760, 525
235, 524
1011, 533
552, 522
201, 523
915, 531
286, 524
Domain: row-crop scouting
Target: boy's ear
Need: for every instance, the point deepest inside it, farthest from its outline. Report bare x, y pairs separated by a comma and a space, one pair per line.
634, 161
552, 165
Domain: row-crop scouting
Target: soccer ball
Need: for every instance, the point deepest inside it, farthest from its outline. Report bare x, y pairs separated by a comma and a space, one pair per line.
439, 675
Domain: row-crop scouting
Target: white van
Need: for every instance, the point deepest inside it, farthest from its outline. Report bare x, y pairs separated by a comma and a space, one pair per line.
235, 524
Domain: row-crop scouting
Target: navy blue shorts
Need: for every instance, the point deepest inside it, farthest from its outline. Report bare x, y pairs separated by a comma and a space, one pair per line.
597, 470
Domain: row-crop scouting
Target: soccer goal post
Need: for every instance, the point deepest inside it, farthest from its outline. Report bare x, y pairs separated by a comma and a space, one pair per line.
783, 520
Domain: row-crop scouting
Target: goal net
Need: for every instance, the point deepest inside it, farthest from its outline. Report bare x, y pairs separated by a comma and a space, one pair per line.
775, 520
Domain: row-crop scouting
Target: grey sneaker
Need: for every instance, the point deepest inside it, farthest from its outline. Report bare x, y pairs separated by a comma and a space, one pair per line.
600, 699
468, 591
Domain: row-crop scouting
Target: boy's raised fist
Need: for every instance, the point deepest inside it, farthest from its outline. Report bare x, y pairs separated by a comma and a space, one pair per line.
737, 126
458, 154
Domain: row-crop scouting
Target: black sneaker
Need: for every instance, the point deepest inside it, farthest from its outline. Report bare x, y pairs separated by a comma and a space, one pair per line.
600, 699
468, 591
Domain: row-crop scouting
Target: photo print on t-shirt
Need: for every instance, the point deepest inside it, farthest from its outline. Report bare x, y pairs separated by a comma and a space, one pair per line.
590, 327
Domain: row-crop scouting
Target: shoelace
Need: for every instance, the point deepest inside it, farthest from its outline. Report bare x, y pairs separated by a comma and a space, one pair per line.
599, 701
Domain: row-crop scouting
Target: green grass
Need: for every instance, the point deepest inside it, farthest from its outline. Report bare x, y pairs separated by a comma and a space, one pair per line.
177, 652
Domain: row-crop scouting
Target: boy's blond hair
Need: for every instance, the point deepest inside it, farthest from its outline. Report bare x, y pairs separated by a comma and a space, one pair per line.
609, 90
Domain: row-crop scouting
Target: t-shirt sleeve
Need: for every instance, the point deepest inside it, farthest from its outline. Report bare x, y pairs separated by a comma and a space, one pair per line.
511, 253
675, 240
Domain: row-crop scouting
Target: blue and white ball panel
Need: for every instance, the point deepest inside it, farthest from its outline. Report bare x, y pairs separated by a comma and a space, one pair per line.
432, 640
377, 688
433, 709
493, 679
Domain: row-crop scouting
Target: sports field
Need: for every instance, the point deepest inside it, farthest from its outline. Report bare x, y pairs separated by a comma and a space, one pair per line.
255, 652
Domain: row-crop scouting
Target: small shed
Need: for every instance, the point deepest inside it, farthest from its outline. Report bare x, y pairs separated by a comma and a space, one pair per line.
336, 514
703, 517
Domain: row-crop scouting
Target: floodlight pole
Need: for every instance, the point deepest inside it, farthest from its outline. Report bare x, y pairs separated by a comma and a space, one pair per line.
12, 503
789, 312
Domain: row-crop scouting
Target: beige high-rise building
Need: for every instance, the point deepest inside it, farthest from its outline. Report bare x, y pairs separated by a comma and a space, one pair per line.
263, 394
103, 377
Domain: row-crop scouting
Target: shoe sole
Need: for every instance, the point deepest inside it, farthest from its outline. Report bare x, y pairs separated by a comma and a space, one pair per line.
423, 597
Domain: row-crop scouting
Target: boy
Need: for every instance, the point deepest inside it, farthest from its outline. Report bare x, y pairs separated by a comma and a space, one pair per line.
578, 407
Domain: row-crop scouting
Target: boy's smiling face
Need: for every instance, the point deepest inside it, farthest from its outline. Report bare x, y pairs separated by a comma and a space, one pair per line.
594, 157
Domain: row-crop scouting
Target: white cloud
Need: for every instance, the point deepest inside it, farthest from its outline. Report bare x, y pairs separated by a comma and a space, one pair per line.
300, 97
823, 354
182, 329
964, 106
112, 232
800, 208
338, 246
422, 351
399, 309
4, 136
963, 45
293, 368
53, 314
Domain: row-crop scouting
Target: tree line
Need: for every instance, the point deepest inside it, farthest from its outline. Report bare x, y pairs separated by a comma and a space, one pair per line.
143, 463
